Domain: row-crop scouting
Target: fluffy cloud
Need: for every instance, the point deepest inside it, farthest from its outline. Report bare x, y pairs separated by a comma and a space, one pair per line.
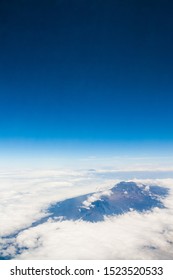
25, 196
131, 236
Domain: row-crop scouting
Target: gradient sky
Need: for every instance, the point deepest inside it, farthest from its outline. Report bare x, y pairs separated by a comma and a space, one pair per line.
86, 71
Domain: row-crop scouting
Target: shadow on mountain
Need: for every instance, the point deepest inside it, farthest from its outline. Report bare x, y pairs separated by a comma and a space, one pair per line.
93, 207
124, 197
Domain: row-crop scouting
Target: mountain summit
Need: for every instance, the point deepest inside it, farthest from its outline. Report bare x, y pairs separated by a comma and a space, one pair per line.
123, 197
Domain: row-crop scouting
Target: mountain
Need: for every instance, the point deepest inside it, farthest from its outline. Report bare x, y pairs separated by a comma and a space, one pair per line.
93, 207
123, 197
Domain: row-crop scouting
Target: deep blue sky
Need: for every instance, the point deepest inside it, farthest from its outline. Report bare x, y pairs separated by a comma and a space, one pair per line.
86, 70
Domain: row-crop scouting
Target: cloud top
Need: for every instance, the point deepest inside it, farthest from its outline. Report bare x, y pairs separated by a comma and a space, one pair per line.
26, 195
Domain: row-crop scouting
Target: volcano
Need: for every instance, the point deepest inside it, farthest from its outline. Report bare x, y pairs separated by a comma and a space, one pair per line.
122, 198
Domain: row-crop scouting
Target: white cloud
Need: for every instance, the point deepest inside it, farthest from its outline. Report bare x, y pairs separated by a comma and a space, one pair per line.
130, 236
96, 196
25, 195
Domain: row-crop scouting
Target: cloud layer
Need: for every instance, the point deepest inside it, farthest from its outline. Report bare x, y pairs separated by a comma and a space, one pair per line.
26, 195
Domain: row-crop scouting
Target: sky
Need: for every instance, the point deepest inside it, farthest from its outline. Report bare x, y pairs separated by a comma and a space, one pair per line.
91, 77
85, 86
